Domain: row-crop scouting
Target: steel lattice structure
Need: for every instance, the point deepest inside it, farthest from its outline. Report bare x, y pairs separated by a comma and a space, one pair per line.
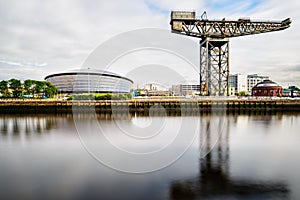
214, 62
214, 44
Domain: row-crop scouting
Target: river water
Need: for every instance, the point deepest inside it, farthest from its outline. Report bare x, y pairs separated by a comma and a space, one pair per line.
236, 156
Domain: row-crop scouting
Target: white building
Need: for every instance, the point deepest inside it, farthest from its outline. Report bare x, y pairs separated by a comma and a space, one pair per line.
245, 83
183, 90
253, 79
242, 83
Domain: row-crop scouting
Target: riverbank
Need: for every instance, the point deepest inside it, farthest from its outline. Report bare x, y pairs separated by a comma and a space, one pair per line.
144, 105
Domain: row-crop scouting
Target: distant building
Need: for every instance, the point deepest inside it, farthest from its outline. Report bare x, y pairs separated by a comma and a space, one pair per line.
158, 93
238, 82
267, 88
176, 90
286, 92
291, 91
242, 83
233, 81
245, 83
231, 91
183, 90
152, 90
254, 79
87, 80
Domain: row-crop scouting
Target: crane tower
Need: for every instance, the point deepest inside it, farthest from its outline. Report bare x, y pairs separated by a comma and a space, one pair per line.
214, 44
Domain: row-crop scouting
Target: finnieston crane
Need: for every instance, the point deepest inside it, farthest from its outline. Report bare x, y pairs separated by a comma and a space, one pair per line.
214, 44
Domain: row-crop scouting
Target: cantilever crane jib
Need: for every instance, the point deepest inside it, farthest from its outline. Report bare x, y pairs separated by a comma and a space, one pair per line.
214, 44
184, 22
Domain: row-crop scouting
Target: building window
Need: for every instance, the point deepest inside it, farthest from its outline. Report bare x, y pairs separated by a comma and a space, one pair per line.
265, 91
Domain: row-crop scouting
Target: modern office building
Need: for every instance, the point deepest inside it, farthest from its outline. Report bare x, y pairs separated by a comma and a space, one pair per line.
91, 81
238, 82
254, 79
233, 81
183, 90
267, 88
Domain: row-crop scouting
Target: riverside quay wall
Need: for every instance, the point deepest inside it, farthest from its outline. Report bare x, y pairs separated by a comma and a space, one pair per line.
145, 105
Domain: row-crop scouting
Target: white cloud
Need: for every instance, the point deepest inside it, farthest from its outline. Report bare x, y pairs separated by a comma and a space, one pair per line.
63, 33
168, 5
273, 54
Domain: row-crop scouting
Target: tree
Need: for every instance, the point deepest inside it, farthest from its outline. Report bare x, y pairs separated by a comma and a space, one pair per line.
39, 87
4, 88
242, 93
28, 86
16, 87
50, 90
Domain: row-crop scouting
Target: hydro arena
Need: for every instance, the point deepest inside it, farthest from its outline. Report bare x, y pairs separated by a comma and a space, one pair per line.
91, 81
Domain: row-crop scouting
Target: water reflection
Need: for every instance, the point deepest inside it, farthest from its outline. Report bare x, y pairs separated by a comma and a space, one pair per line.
214, 180
26, 125
249, 161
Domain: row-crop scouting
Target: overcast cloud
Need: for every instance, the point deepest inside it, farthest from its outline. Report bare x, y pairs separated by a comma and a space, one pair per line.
42, 37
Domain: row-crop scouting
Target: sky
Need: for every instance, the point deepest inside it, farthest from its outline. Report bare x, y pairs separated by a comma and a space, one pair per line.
38, 38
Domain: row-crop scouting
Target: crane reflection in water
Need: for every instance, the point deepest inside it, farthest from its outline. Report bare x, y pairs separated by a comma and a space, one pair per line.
214, 179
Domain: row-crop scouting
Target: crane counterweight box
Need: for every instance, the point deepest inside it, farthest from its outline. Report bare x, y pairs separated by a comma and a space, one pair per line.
183, 15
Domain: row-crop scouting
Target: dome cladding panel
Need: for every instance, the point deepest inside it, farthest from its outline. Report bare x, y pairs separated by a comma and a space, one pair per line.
267, 83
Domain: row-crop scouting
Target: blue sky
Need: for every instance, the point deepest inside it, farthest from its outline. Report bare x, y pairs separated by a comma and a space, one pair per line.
155, 8
221, 5
38, 38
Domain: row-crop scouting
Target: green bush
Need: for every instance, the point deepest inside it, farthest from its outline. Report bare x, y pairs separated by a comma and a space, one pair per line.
82, 97
106, 96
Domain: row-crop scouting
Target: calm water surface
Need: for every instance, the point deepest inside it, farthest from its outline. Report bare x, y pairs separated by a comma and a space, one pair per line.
254, 157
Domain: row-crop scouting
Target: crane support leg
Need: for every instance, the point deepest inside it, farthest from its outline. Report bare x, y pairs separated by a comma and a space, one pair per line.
214, 67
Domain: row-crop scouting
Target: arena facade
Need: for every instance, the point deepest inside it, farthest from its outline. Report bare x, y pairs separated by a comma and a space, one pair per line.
89, 81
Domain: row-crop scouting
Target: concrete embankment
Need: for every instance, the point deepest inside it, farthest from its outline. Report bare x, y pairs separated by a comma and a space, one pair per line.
144, 105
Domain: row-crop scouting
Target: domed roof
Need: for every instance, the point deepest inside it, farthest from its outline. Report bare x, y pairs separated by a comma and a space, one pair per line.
267, 83
87, 71
92, 71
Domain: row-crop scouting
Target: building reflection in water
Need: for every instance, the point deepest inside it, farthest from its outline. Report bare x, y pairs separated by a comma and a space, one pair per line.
26, 126
214, 180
